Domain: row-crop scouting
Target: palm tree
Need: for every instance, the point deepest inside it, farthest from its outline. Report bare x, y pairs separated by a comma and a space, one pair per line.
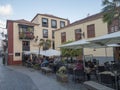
111, 11
46, 44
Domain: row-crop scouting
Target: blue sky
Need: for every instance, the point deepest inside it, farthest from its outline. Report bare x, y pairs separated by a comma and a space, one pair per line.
27, 9
70, 9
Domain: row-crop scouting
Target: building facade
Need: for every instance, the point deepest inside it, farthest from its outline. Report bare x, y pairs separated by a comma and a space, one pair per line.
47, 25
88, 28
21, 34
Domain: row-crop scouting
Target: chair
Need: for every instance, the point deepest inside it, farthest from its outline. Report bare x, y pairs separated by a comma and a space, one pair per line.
116, 67
79, 75
107, 79
101, 68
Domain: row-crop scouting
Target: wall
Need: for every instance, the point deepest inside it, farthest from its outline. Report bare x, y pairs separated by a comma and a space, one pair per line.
100, 29
38, 20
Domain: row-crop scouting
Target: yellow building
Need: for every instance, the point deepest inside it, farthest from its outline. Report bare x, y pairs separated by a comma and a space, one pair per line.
47, 25
87, 28
21, 34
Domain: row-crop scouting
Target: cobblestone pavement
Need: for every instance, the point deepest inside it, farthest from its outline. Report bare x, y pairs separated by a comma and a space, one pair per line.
12, 80
22, 78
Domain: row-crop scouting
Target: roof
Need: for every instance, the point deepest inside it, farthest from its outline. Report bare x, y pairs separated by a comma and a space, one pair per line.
49, 15
23, 22
89, 18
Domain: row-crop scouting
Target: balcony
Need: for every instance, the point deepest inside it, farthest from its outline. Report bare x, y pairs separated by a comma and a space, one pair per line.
26, 35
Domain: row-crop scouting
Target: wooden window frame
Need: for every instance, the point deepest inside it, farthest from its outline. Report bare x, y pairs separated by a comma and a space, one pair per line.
91, 31
63, 37
78, 35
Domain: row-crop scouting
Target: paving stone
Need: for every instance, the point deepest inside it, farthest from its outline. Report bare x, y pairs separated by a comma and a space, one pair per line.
23, 78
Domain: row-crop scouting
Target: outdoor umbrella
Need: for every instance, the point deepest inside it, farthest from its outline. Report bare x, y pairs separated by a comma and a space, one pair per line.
86, 44
112, 38
27, 52
81, 44
37, 52
51, 52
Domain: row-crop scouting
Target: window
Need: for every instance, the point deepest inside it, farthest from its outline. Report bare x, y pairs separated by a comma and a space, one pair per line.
63, 37
62, 24
53, 34
77, 34
112, 29
91, 31
114, 26
45, 33
44, 22
25, 45
53, 23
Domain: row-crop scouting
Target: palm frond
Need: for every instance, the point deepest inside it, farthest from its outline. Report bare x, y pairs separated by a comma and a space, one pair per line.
108, 17
104, 2
108, 8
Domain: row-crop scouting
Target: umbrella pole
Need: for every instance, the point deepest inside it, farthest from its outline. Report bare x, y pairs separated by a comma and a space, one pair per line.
83, 59
106, 53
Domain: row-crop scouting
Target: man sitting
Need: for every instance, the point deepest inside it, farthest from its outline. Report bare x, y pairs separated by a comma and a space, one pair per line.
89, 68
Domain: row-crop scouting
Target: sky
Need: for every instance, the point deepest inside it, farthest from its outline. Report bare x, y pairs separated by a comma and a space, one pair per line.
27, 9
69, 9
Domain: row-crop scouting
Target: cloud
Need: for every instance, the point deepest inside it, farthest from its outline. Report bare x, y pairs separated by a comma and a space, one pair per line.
3, 26
6, 10
2, 23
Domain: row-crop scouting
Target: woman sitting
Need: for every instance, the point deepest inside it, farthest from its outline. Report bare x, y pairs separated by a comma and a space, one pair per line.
79, 72
79, 65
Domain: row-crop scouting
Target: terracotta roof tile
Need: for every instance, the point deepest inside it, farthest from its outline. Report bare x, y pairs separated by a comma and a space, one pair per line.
49, 15
89, 18
24, 22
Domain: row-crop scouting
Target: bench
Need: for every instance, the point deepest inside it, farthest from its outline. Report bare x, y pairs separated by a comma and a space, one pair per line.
46, 70
91, 85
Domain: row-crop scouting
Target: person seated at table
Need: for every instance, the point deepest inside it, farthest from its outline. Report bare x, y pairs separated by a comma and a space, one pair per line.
79, 65
78, 72
89, 68
56, 63
107, 66
45, 62
29, 62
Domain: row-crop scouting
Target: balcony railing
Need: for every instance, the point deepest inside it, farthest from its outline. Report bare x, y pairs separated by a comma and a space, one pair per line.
26, 35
